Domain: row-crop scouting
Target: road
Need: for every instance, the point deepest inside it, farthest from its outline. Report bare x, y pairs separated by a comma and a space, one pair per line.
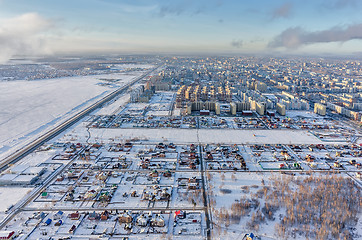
91, 209
204, 196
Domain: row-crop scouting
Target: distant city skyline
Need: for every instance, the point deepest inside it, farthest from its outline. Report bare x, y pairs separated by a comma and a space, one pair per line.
180, 26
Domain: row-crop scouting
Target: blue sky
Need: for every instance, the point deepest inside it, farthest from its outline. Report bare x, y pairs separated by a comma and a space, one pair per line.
211, 26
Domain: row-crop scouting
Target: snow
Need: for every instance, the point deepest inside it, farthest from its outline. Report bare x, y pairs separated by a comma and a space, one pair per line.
10, 196
303, 114
28, 108
230, 136
115, 107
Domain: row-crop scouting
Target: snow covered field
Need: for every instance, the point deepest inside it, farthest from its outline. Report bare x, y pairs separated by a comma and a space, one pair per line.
229, 136
10, 196
29, 108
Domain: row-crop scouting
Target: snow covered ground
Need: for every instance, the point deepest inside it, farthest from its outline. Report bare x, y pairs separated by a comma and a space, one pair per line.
29, 108
9, 196
229, 136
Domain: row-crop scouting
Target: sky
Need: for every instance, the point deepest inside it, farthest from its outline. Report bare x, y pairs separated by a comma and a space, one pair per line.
41, 27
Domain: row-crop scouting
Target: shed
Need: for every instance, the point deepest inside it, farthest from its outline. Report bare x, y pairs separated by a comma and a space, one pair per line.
157, 221
48, 222
180, 214
58, 215
60, 222
204, 112
247, 113
74, 216
93, 216
125, 218
141, 221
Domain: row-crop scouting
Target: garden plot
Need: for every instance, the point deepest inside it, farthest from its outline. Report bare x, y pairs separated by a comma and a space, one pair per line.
224, 157
247, 123
115, 163
265, 156
147, 179
318, 165
213, 122
227, 187
143, 223
102, 226
49, 196
157, 163
57, 188
333, 135
87, 227
48, 226
152, 178
277, 165
134, 109
351, 165
147, 122
188, 192
102, 121
67, 226
312, 153
188, 223
160, 104
227, 165
189, 122
115, 178
188, 181
128, 196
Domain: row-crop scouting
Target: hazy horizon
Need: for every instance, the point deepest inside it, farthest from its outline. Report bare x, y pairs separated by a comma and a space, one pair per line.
282, 27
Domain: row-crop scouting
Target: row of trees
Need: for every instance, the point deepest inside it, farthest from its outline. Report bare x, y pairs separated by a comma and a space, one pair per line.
321, 207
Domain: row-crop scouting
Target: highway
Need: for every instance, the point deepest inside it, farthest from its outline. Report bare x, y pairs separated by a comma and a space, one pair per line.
24, 151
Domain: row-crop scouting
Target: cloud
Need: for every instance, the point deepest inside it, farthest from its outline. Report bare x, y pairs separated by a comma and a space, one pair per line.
88, 29
178, 10
22, 35
297, 36
339, 4
128, 8
237, 43
171, 10
283, 11
188, 7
